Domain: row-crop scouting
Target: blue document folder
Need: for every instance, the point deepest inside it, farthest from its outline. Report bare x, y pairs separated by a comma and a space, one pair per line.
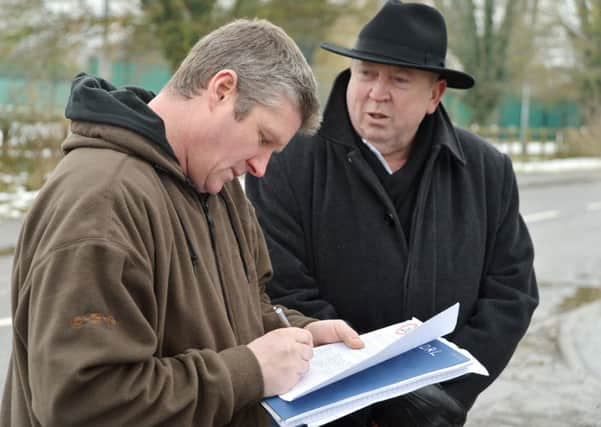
430, 363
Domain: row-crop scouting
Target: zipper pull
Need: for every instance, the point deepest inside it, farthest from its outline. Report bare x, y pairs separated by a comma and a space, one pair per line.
205, 207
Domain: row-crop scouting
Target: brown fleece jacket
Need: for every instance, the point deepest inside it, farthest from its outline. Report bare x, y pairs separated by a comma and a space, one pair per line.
131, 304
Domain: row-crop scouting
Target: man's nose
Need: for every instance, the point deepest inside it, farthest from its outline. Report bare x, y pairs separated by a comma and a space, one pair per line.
379, 91
257, 166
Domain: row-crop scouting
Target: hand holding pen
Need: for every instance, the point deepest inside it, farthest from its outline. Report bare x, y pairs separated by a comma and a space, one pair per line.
284, 353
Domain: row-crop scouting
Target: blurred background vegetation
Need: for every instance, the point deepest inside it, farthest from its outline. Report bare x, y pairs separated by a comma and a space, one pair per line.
537, 64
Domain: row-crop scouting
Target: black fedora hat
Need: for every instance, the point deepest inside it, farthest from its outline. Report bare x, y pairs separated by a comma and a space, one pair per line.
410, 35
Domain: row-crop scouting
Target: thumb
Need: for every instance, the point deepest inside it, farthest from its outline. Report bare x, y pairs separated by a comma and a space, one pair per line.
349, 336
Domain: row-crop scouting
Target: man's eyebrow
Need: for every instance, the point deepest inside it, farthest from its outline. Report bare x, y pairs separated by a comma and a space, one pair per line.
400, 71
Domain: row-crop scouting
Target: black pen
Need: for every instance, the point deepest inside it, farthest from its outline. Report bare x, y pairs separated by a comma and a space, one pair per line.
282, 316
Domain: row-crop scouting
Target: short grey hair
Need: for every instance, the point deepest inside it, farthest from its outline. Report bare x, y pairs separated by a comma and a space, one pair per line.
269, 65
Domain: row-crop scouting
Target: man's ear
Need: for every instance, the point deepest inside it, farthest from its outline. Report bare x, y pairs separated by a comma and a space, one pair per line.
438, 89
222, 86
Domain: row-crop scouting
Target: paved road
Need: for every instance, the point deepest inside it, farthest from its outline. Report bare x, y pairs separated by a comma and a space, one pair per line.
554, 379
565, 223
9, 232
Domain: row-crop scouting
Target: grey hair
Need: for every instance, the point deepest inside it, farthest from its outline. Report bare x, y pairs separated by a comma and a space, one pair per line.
269, 65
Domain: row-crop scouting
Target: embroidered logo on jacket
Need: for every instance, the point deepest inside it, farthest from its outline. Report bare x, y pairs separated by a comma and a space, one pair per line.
94, 319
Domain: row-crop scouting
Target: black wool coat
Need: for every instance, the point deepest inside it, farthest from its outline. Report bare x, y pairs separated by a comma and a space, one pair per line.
338, 249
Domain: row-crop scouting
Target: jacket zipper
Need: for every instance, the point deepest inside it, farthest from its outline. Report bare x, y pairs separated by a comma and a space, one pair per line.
204, 202
191, 252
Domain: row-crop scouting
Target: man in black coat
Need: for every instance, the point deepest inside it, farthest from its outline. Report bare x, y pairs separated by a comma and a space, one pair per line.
390, 212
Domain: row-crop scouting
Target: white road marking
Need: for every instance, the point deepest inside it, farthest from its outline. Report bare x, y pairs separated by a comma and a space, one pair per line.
593, 206
5, 321
541, 216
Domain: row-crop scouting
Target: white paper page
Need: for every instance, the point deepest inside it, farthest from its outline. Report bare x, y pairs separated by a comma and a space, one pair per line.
333, 362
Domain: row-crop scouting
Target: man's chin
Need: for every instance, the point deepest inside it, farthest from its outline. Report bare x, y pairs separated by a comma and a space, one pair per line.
374, 134
215, 187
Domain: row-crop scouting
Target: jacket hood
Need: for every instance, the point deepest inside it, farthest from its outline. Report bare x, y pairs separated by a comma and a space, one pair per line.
95, 100
336, 124
104, 116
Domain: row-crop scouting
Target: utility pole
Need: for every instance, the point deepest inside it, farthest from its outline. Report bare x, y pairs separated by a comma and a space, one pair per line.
525, 116
104, 63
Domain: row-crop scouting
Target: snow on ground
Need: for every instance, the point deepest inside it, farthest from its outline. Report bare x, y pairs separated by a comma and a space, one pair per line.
558, 165
15, 204
533, 148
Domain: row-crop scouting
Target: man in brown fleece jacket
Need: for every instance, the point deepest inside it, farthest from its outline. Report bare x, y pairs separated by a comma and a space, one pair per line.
138, 282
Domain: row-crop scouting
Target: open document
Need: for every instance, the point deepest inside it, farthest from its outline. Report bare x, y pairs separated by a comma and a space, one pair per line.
395, 360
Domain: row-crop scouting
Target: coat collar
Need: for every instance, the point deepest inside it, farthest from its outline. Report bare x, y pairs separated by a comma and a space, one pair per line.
336, 125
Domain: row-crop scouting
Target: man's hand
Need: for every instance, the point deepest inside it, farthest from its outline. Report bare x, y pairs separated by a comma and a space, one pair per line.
283, 356
329, 331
